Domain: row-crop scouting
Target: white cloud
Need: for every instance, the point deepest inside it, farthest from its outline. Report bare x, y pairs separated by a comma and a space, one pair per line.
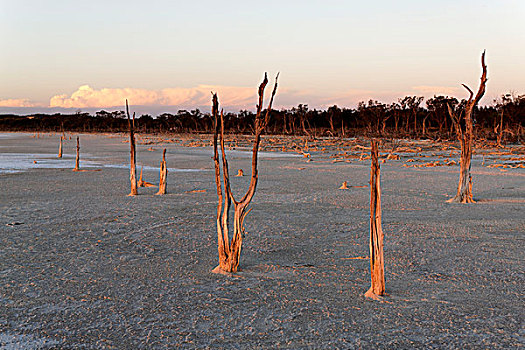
16, 102
87, 97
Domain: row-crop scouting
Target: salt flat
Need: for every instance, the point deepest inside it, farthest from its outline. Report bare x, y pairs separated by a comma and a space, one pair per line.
82, 265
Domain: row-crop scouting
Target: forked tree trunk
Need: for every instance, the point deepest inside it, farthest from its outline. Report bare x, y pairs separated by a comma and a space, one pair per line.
60, 148
377, 269
163, 175
230, 250
466, 136
77, 159
132, 157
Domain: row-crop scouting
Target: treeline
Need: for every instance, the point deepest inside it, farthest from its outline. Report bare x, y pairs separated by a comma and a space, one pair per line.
409, 117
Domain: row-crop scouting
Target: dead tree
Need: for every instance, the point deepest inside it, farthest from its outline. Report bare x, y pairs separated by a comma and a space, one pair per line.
163, 175
77, 160
60, 148
465, 135
377, 269
132, 158
230, 250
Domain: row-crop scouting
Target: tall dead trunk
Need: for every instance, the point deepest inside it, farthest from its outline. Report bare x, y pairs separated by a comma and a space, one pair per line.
466, 136
77, 159
377, 269
163, 175
132, 157
60, 148
230, 250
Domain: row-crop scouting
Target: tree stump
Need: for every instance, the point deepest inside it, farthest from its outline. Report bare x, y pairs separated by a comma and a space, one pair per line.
377, 269
60, 148
163, 175
77, 160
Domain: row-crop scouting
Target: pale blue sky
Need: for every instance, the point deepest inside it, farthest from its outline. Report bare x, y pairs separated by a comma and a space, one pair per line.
327, 51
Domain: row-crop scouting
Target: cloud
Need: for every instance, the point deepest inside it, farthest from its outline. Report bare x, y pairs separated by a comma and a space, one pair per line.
16, 102
429, 90
87, 97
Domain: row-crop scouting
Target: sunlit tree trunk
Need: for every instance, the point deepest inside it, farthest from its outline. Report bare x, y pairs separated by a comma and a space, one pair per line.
163, 175
132, 159
466, 135
77, 159
377, 269
230, 250
60, 148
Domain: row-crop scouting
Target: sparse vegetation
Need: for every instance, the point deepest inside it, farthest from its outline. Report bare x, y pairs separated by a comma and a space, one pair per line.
406, 118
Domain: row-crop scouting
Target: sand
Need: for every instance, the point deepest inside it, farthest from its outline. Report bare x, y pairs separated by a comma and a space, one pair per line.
82, 265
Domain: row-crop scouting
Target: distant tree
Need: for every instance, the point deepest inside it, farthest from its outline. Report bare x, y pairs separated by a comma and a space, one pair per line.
438, 109
411, 103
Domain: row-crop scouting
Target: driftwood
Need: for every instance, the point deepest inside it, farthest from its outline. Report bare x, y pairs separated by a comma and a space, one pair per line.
141, 182
163, 175
132, 157
230, 250
466, 135
60, 148
377, 269
77, 159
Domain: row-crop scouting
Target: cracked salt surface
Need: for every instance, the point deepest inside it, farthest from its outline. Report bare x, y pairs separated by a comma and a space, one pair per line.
12, 341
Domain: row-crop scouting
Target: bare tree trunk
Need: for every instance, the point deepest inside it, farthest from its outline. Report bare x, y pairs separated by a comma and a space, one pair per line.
230, 250
60, 148
377, 269
464, 191
77, 160
163, 175
132, 159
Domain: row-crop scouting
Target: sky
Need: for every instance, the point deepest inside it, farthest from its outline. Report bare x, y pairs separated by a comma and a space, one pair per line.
60, 56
